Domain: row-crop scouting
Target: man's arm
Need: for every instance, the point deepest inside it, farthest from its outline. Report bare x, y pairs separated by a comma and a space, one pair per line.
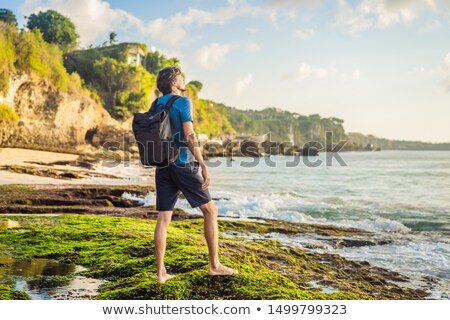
194, 147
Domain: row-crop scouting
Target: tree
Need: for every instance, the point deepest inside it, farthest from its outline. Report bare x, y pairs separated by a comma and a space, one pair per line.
108, 72
112, 38
157, 61
55, 28
196, 84
8, 37
124, 88
8, 16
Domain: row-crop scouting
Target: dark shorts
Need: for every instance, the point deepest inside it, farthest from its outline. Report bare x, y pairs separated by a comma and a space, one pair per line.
172, 179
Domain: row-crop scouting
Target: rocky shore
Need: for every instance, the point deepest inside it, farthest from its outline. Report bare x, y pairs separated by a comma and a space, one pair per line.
26, 166
95, 227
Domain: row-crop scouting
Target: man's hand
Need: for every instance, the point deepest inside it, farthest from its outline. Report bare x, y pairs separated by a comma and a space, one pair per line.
206, 178
194, 147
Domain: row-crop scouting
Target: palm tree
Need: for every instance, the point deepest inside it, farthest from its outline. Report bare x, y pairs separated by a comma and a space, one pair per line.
112, 38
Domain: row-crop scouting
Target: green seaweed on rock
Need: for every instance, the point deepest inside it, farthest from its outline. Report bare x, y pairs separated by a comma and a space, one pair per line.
120, 250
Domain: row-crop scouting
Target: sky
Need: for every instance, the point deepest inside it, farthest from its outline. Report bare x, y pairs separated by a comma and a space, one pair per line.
383, 66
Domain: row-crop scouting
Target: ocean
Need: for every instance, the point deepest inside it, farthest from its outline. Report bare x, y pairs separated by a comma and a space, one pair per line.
403, 196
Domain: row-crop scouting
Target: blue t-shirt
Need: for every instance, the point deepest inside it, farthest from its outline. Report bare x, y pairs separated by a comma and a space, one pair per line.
180, 112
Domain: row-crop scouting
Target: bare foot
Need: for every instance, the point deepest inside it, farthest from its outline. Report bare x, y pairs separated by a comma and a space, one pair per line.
222, 271
163, 278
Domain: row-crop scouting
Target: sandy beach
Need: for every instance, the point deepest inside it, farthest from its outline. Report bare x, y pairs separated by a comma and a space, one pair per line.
16, 156
40, 167
19, 156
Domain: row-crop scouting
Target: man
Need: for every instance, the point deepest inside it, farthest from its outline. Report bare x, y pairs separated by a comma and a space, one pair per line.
183, 175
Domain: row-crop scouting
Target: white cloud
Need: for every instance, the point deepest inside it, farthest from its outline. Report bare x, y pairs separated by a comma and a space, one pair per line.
355, 75
253, 46
307, 71
273, 16
172, 30
319, 73
173, 53
418, 70
213, 55
96, 18
350, 19
381, 13
388, 13
292, 15
426, 71
243, 83
285, 8
305, 34
446, 71
93, 18
431, 26
292, 3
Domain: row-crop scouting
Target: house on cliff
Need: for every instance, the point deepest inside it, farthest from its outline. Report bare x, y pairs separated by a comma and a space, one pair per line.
130, 52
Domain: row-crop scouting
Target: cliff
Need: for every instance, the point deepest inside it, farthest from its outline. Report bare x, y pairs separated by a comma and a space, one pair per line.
53, 119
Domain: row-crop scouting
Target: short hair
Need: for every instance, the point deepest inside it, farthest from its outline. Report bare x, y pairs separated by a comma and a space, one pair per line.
165, 79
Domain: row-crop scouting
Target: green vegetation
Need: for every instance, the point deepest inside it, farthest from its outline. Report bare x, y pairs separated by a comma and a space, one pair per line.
8, 16
155, 61
283, 125
13, 191
359, 141
27, 52
8, 34
117, 245
210, 120
55, 28
197, 84
125, 88
8, 293
7, 114
34, 55
121, 250
112, 38
82, 61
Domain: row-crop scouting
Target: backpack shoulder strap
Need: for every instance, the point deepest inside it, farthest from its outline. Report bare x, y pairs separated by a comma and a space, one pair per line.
170, 102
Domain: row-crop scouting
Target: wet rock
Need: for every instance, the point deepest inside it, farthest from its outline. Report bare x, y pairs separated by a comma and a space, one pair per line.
54, 173
83, 199
342, 243
69, 175
120, 202
140, 252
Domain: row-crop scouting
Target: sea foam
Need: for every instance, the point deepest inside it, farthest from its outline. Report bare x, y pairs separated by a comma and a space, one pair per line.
288, 207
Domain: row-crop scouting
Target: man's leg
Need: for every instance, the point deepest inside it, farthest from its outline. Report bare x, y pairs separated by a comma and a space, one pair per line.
164, 218
211, 231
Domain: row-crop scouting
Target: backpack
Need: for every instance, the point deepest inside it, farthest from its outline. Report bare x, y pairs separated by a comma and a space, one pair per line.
154, 135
